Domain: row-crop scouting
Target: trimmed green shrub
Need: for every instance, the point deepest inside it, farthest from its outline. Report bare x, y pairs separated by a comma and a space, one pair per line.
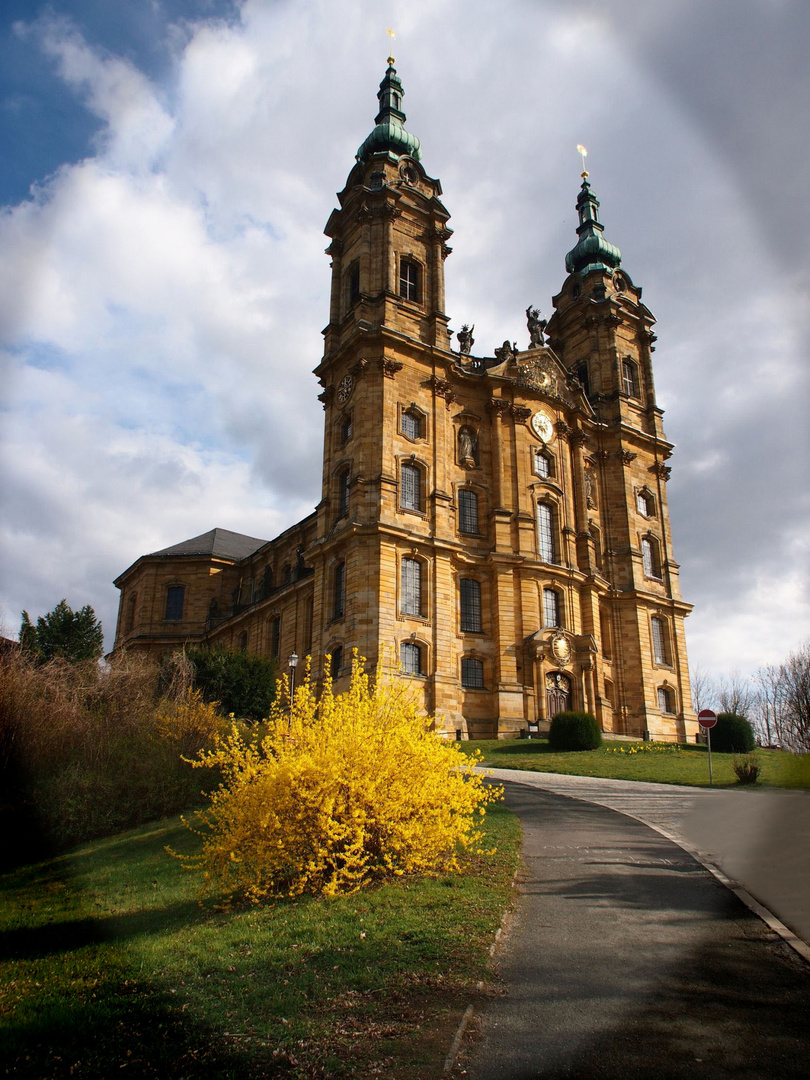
732, 734
574, 731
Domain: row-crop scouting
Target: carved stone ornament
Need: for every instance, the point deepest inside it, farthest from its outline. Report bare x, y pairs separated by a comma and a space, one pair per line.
563, 430
441, 388
590, 489
520, 413
498, 406
579, 438
661, 470
359, 367
626, 456
390, 367
328, 396
561, 648
539, 372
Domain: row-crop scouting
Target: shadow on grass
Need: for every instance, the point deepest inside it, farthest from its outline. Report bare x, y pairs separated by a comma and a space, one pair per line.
29, 942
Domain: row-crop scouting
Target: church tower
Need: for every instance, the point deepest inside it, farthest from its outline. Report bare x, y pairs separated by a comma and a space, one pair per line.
497, 523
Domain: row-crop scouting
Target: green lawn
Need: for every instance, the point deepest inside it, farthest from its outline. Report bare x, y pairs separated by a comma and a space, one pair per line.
658, 762
108, 966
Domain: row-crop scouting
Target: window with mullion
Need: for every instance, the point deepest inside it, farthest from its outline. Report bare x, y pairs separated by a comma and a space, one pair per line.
411, 587
467, 511
410, 658
409, 280
470, 591
649, 557
410, 497
472, 673
411, 424
545, 532
660, 641
551, 607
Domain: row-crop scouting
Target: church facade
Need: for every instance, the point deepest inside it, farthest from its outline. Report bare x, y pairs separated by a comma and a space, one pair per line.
498, 524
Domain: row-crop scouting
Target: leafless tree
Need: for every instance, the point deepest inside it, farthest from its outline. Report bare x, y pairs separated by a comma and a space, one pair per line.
766, 712
736, 694
793, 717
704, 692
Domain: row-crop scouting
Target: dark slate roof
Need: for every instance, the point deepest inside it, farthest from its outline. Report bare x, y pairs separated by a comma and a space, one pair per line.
220, 543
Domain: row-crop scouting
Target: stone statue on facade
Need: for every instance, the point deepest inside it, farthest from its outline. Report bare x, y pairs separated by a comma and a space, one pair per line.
507, 351
467, 448
537, 327
465, 339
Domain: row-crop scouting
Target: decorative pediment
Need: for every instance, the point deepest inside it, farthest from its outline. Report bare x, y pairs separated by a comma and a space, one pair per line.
538, 370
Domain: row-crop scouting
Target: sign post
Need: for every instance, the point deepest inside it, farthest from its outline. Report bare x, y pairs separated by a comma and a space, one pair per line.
707, 719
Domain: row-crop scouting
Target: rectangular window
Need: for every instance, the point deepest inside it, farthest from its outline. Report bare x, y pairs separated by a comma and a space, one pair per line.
339, 595
409, 280
275, 637
629, 381
343, 493
660, 641
411, 488
545, 532
411, 582
551, 608
412, 424
354, 285
175, 596
472, 673
467, 511
542, 465
470, 606
649, 558
665, 700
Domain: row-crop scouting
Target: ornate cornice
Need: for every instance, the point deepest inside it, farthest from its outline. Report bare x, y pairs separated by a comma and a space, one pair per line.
659, 469
441, 388
498, 406
626, 456
520, 413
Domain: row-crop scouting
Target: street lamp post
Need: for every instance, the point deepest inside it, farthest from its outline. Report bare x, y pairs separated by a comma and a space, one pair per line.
292, 664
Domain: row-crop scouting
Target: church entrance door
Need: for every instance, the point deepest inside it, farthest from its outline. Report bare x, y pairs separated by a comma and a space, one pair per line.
558, 694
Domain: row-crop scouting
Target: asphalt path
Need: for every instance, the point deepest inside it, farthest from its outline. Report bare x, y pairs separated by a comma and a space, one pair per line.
626, 958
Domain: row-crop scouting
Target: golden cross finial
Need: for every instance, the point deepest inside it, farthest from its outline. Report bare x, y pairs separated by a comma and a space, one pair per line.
583, 153
392, 34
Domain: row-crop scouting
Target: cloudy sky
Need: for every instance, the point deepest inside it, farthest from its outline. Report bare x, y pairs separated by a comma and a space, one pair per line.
169, 166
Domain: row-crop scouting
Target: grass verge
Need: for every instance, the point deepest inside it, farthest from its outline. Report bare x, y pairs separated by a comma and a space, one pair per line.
109, 966
655, 762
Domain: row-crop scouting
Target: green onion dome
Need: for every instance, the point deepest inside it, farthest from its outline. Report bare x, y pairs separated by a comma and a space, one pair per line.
592, 252
389, 133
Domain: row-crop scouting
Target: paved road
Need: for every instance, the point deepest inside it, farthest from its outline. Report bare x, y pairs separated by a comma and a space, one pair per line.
625, 958
760, 839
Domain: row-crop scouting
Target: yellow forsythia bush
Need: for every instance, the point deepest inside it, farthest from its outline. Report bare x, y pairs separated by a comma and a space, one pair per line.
341, 791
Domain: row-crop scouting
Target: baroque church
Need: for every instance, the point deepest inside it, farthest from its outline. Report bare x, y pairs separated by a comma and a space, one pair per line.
499, 523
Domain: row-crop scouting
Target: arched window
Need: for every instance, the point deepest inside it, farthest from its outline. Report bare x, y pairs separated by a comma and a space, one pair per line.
660, 640
645, 503
343, 492
545, 533
339, 591
410, 494
410, 658
542, 464
472, 673
175, 598
470, 595
346, 429
411, 587
629, 378
467, 511
582, 375
551, 608
666, 700
411, 424
650, 558
409, 280
336, 662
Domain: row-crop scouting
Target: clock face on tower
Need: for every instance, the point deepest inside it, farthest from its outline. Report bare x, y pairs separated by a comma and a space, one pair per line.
542, 426
345, 388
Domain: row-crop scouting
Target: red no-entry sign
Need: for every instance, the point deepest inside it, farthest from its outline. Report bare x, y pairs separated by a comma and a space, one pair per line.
707, 719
